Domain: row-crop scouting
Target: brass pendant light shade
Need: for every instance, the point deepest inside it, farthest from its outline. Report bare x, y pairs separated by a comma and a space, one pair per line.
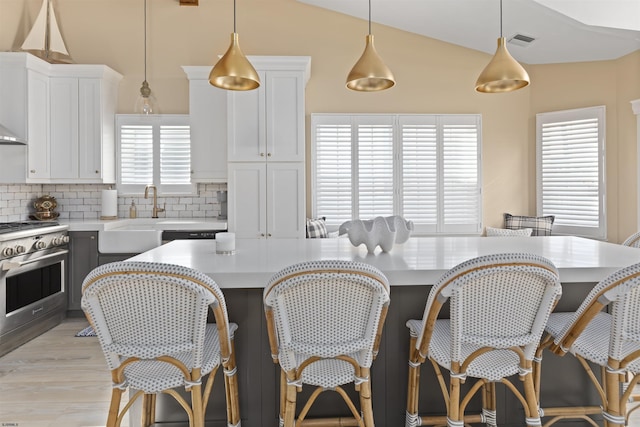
234, 71
370, 73
503, 73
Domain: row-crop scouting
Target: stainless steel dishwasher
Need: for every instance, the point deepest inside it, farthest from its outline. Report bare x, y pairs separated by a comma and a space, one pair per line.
169, 235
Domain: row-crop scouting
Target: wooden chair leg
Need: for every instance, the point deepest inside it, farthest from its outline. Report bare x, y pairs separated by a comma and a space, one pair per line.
231, 387
489, 403
114, 407
365, 398
532, 413
291, 392
196, 400
148, 410
454, 396
413, 388
614, 408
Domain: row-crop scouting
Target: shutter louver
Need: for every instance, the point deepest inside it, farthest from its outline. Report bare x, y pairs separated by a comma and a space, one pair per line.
420, 173
460, 174
175, 155
136, 154
570, 172
375, 171
333, 173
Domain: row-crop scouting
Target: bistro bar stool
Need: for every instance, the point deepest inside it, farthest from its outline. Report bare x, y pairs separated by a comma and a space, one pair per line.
324, 320
633, 240
151, 321
499, 305
609, 339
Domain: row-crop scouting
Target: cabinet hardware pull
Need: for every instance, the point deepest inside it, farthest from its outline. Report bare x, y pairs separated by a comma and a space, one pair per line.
37, 310
268, 154
97, 171
33, 171
261, 154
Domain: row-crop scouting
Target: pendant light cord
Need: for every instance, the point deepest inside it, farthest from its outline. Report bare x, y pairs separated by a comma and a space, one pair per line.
234, 16
369, 17
500, 18
145, 40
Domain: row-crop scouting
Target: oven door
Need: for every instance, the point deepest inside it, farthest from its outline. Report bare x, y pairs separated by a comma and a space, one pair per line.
32, 286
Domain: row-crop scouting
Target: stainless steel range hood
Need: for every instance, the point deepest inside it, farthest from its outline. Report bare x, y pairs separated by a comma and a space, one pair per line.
9, 138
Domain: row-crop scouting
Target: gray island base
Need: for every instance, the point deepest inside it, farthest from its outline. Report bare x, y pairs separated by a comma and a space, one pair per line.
411, 268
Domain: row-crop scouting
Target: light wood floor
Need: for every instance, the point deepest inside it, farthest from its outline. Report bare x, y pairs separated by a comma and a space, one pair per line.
56, 380
59, 380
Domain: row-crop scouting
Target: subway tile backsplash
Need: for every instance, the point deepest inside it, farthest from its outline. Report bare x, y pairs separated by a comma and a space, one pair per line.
83, 201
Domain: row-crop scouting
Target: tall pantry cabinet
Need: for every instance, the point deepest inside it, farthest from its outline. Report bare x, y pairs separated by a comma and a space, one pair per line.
266, 151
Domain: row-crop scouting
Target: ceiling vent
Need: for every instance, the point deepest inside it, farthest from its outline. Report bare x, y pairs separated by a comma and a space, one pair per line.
521, 40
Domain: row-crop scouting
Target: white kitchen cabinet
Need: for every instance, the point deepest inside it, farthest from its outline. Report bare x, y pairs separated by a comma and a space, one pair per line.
24, 110
268, 123
208, 118
82, 132
66, 112
266, 151
269, 199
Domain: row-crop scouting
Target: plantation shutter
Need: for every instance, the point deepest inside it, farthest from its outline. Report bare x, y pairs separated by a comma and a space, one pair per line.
156, 150
175, 154
570, 176
375, 167
136, 154
461, 162
419, 170
332, 169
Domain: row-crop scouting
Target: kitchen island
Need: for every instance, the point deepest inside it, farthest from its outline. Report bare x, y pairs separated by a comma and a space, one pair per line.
411, 268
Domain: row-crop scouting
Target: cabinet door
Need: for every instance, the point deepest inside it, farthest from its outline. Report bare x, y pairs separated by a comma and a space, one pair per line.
64, 127
208, 115
38, 127
246, 125
247, 199
285, 116
90, 129
83, 250
285, 200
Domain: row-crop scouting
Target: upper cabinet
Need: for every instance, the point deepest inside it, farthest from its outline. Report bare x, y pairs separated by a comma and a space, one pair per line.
66, 112
268, 123
208, 116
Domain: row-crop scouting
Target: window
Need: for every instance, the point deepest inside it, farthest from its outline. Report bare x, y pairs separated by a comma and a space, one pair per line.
154, 149
570, 146
423, 167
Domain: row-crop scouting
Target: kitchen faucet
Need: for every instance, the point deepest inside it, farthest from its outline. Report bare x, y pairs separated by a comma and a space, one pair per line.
156, 209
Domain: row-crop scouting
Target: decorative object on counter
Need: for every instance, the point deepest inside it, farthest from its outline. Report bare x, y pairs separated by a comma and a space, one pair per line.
222, 199
370, 73
226, 243
380, 231
146, 103
109, 204
45, 206
45, 40
234, 71
133, 211
503, 73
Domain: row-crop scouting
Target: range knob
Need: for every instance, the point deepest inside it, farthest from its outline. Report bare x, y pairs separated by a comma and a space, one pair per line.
19, 249
40, 245
60, 240
7, 252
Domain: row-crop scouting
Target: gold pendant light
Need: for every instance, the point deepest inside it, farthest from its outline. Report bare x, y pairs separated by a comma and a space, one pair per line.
234, 71
145, 103
503, 73
370, 73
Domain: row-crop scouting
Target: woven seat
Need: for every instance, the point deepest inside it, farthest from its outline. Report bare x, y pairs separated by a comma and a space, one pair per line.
151, 322
609, 339
499, 305
325, 320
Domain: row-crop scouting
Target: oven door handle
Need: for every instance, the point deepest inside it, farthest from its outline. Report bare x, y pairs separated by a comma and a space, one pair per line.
10, 265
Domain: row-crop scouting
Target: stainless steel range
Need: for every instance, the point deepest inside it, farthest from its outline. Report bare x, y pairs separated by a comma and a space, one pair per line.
33, 289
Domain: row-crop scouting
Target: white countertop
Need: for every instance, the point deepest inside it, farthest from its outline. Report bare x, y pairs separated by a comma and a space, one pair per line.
163, 223
419, 261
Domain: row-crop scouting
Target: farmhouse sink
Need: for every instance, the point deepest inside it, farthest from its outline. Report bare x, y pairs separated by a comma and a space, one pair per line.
128, 241
139, 235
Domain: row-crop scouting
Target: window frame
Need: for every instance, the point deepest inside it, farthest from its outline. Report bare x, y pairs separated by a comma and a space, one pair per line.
156, 121
596, 112
440, 120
